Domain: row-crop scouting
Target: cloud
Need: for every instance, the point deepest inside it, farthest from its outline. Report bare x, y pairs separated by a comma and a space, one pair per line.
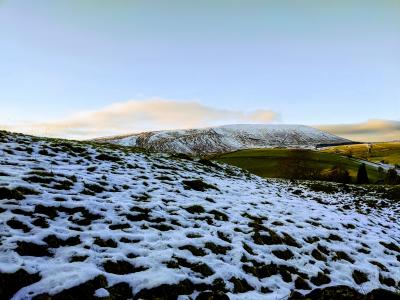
370, 131
140, 115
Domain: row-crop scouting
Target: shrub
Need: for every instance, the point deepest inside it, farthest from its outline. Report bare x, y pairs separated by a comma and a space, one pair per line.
392, 177
339, 174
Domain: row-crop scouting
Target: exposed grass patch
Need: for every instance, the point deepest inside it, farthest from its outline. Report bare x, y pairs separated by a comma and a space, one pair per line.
216, 249
391, 246
108, 157
55, 242
283, 254
195, 209
198, 185
194, 250
110, 243
15, 224
10, 283
359, 277
320, 279
121, 267
6, 193
240, 285
31, 249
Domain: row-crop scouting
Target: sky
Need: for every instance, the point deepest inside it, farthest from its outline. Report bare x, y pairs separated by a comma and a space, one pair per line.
85, 68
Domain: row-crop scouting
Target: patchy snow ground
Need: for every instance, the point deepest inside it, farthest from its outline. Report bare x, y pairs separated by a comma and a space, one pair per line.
138, 225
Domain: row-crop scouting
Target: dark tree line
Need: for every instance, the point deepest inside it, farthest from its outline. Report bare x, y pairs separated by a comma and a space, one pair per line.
300, 168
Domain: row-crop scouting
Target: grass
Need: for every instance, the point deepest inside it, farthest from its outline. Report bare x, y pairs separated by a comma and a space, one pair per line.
284, 163
375, 152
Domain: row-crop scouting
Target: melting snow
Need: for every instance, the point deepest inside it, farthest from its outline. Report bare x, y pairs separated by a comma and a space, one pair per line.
70, 213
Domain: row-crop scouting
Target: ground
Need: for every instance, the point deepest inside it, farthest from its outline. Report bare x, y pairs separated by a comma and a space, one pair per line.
388, 152
280, 163
88, 221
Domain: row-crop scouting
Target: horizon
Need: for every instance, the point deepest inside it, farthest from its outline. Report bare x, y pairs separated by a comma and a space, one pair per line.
84, 69
127, 134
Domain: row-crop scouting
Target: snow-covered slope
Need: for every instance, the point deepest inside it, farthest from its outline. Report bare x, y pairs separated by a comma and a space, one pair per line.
88, 222
228, 138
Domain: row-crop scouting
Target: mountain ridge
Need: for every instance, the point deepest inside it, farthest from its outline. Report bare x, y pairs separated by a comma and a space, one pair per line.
225, 138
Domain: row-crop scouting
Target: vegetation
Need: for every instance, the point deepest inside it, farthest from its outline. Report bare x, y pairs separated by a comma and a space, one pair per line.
299, 164
392, 177
362, 175
376, 152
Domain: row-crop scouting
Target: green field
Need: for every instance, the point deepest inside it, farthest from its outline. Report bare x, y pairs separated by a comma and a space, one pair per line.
293, 163
375, 152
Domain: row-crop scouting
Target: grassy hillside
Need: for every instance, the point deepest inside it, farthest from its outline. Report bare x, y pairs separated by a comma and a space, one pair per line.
83, 221
293, 163
376, 152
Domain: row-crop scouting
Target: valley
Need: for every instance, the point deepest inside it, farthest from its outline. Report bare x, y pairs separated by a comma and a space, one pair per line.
297, 164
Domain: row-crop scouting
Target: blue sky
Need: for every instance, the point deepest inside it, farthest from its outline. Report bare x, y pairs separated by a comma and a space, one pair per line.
309, 62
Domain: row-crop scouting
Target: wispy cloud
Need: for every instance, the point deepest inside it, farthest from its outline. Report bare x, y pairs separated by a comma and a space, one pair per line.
140, 115
370, 131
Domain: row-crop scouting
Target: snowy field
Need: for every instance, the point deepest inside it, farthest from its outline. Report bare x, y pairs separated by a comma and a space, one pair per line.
115, 224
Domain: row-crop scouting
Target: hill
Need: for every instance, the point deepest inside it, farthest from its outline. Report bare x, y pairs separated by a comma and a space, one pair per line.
387, 153
228, 138
295, 164
96, 221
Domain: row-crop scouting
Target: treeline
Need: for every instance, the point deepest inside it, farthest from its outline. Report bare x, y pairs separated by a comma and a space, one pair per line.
392, 177
300, 169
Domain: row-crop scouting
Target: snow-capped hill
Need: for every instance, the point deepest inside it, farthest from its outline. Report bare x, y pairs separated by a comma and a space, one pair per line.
228, 138
88, 221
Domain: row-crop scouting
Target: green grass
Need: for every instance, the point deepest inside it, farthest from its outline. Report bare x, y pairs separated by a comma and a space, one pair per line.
284, 163
376, 152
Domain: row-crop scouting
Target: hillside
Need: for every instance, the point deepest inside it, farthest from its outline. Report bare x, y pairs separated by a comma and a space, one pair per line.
388, 152
92, 221
294, 163
228, 138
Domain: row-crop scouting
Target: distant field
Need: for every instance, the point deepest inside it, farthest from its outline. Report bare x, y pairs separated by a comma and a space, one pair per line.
283, 163
376, 152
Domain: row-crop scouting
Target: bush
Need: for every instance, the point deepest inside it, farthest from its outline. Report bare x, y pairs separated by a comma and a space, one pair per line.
339, 174
392, 177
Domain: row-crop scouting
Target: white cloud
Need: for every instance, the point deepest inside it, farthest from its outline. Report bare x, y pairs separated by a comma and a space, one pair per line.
140, 115
370, 131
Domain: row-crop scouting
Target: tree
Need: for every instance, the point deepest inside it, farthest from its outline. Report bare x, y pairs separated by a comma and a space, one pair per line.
392, 177
362, 175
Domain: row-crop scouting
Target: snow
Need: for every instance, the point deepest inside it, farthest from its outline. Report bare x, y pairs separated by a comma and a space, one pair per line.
102, 293
146, 191
229, 138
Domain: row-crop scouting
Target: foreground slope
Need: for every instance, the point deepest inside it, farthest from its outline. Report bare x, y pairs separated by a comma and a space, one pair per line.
229, 138
90, 221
